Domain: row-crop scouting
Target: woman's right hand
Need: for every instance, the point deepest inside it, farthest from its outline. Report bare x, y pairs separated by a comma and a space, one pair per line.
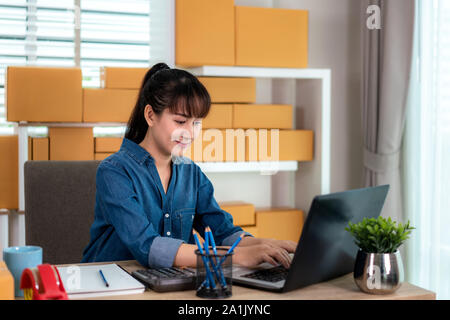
250, 256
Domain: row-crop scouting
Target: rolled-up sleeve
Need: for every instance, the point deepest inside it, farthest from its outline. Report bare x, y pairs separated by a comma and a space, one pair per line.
209, 213
163, 251
230, 240
124, 212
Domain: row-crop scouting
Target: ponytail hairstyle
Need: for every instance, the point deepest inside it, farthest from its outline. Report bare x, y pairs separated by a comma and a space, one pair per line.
161, 88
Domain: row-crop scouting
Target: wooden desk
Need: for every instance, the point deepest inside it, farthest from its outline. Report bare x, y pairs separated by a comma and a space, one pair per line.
343, 288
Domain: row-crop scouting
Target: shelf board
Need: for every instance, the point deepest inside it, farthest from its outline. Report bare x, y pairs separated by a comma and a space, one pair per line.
264, 167
260, 72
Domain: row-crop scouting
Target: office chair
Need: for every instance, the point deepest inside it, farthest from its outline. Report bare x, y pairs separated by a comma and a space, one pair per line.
59, 207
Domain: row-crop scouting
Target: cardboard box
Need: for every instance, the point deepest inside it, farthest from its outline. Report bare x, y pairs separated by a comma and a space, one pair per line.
71, 143
219, 116
252, 145
218, 145
108, 144
296, 145
271, 37
210, 146
266, 116
108, 105
122, 78
279, 223
262, 145
204, 32
6, 283
101, 155
43, 94
9, 172
229, 90
40, 149
243, 213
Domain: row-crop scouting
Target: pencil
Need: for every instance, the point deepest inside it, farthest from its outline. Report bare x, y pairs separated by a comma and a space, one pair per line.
231, 249
208, 277
217, 268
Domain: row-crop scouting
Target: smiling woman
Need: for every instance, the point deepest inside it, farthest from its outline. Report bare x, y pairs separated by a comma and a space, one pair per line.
147, 204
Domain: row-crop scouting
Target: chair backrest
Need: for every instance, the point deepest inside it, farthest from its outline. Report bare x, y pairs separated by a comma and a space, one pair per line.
59, 207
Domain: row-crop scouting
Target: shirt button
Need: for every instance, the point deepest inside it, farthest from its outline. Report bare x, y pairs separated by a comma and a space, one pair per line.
168, 233
166, 215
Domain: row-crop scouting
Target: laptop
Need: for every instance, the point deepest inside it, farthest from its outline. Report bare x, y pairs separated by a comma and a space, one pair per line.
325, 249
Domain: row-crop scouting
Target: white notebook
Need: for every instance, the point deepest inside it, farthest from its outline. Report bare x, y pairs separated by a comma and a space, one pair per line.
86, 282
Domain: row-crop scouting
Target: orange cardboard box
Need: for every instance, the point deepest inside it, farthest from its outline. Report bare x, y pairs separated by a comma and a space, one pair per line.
297, 145
108, 105
108, 144
252, 145
71, 143
122, 78
262, 116
262, 145
243, 213
204, 32
43, 94
6, 283
219, 116
218, 145
40, 147
271, 37
229, 90
9, 172
279, 223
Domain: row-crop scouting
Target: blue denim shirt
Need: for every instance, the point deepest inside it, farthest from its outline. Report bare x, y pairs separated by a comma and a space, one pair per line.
136, 219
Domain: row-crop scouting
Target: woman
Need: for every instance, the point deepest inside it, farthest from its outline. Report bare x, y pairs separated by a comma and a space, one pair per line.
147, 203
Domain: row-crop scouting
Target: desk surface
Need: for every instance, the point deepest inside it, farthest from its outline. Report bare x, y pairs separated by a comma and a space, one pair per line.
343, 288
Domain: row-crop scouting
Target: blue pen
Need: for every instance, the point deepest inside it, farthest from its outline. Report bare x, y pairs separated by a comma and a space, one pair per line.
217, 269
208, 277
103, 277
231, 249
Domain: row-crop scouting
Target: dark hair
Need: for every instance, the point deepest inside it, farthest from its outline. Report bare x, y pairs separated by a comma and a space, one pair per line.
161, 88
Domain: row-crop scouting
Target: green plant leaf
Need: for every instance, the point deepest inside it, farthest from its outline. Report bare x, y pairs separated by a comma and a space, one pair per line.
379, 235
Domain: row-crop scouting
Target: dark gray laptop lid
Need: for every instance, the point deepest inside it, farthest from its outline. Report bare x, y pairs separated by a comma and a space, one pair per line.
325, 249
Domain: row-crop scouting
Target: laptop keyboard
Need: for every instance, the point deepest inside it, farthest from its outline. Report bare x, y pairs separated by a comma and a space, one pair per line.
274, 274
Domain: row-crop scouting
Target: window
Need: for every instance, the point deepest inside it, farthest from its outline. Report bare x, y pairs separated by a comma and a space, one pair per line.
88, 33
427, 150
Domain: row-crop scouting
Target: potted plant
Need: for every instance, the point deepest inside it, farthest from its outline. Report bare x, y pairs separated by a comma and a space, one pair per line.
378, 266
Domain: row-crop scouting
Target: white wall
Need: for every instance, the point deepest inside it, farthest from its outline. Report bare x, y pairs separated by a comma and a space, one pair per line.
334, 42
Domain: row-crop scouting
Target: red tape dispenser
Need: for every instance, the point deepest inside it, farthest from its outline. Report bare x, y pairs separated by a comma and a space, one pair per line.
42, 283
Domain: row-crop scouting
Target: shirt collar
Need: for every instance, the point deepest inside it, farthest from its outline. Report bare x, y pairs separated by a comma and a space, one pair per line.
135, 151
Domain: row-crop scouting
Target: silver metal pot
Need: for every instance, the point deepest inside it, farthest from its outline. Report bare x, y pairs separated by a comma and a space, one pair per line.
378, 273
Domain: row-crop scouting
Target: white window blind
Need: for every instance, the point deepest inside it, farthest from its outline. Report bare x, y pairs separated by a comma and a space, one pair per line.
88, 33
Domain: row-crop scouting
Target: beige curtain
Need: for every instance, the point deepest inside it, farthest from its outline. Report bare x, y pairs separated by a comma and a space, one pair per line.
386, 60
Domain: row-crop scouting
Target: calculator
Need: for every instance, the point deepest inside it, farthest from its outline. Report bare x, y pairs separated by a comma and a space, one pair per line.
166, 279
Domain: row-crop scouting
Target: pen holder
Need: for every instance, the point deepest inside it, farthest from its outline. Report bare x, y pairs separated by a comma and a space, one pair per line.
213, 279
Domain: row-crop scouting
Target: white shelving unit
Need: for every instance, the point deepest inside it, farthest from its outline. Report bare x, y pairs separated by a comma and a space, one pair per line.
309, 91
292, 185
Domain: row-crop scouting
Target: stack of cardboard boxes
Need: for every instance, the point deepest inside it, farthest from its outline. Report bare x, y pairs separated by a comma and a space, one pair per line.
275, 223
